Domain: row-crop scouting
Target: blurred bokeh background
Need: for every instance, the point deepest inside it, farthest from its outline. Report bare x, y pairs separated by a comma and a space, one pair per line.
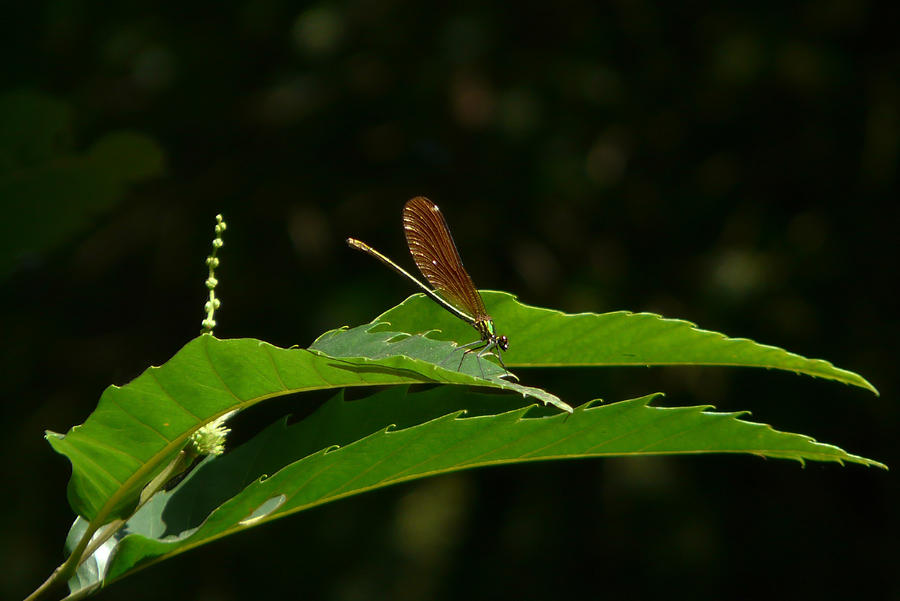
733, 165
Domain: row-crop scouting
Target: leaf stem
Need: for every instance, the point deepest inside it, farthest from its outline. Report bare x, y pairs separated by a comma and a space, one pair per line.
89, 543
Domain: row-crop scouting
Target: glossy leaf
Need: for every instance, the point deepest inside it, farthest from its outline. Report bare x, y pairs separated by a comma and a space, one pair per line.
546, 338
137, 428
346, 448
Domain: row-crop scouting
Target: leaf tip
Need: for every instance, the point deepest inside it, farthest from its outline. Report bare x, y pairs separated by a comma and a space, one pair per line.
868, 386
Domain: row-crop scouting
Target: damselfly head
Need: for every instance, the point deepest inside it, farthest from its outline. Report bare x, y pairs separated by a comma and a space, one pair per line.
503, 343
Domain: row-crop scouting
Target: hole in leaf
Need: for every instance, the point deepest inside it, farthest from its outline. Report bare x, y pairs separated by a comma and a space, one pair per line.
263, 510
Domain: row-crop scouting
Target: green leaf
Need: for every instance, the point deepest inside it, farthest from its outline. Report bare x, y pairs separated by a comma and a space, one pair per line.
137, 428
346, 448
546, 338
361, 342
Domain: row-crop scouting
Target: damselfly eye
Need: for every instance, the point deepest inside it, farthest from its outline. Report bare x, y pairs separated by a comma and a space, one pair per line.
503, 343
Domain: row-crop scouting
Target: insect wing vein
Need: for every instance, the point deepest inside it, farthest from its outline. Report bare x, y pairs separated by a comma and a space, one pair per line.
437, 257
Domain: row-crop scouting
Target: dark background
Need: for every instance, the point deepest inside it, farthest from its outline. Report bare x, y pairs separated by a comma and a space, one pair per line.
734, 166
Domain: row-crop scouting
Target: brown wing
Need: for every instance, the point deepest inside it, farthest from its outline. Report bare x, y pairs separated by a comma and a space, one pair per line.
435, 254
